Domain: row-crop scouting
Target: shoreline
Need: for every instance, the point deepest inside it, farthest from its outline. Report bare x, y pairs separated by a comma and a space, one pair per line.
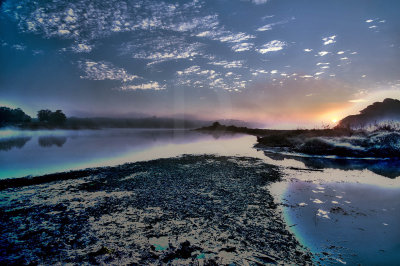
191, 209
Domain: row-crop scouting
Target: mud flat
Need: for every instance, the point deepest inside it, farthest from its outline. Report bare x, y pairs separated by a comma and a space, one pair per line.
200, 210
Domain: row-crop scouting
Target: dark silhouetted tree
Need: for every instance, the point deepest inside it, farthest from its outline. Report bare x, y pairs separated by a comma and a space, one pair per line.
57, 118
44, 115
216, 124
10, 116
53, 118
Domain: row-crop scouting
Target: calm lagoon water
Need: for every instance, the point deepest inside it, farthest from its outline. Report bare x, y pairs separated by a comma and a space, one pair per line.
346, 212
345, 223
33, 153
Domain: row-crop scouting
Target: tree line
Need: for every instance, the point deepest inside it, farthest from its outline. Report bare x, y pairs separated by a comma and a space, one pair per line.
17, 117
54, 118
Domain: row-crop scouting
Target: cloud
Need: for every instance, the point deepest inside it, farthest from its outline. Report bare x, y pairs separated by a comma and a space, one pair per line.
270, 25
105, 71
240, 47
224, 35
85, 20
208, 33
357, 101
19, 47
259, 2
144, 86
377, 20
236, 37
266, 27
259, 71
323, 53
267, 17
63, 32
209, 21
197, 77
226, 64
340, 52
82, 48
192, 69
161, 48
272, 46
329, 40
76, 20
37, 52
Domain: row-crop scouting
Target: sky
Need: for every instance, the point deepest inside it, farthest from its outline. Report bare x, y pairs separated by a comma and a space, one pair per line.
281, 63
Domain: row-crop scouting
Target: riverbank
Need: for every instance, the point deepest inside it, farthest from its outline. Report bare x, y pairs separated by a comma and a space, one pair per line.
339, 142
190, 209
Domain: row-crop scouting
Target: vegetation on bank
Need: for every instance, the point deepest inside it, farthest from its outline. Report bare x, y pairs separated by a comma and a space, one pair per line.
383, 142
52, 118
278, 134
10, 116
45, 118
383, 115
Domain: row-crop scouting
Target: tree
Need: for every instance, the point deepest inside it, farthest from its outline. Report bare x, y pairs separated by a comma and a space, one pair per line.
10, 116
216, 124
53, 118
57, 118
44, 115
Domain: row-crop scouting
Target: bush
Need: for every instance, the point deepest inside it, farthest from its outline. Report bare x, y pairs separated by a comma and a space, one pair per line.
53, 118
10, 116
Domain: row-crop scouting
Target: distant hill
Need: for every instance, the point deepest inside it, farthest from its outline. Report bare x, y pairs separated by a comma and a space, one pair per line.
374, 114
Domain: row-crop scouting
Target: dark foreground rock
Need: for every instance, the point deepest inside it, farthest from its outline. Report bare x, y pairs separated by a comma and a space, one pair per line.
200, 210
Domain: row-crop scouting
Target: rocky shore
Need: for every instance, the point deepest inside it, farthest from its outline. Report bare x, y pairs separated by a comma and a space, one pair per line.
201, 210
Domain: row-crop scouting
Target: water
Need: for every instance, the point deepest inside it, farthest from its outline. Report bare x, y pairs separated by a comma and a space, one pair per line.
345, 223
345, 211
33, 153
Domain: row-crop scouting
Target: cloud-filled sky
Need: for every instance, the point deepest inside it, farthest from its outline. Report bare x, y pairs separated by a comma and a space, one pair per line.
277, 62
